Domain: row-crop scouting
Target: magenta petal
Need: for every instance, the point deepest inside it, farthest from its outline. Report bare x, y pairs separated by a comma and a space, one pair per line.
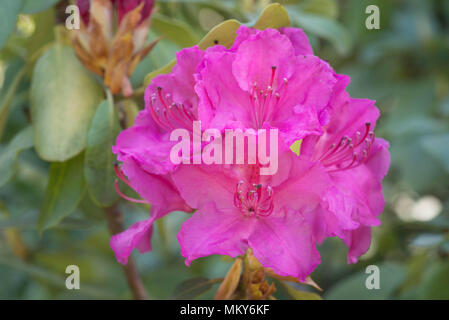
304, 100
356, 196
286, 244
346, 119
299, 40
243, 33
145, 143
306, 182
358, 241
199, 184
210, 231
222, 102
379, 160
256, 57
177, 86
138, 235
159, 190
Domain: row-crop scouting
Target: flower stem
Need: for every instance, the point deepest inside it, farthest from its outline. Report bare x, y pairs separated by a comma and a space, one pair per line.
115, 224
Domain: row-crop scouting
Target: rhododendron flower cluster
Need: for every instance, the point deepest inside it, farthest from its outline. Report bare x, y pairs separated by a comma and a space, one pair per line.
267, 79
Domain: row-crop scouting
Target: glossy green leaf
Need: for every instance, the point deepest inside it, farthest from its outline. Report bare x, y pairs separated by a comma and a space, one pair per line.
34, 6
8, 156
9, 9
99, 160
64, 97
223, 34
65, 189
177, 31
274, 16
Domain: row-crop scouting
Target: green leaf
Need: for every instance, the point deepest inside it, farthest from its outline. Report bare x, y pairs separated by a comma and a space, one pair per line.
299, 294
64, 97
326, 28
192, 288
177, 31
129, 111
273, 16
224, 34
34, 6
65, 190
353, 287
99, 160
9, 9
8, 165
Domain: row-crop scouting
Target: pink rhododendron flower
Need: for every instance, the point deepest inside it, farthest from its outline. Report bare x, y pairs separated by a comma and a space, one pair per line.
332, 189
356, 163
145, 147
276, 216
253, 86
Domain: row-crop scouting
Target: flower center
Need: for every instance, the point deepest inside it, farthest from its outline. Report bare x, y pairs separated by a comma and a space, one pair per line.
168, 114
254, 199
264, 101
349, 152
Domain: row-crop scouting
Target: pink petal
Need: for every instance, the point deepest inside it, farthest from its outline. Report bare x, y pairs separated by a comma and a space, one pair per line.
159, 190
199, 184
305, 183
179, 84
299, 40
256, 57
211, 231
138, 235
286, 244
358, 241
222, 102
304, 101
147, 144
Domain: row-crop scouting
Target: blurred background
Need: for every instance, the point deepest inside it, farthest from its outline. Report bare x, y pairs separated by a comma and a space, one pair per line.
404, 66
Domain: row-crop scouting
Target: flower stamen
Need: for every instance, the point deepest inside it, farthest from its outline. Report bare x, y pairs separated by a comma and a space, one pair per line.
349, 152
254, 200
122, 177
170, 115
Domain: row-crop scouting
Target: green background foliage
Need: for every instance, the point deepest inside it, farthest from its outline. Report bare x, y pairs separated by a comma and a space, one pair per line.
56, 173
